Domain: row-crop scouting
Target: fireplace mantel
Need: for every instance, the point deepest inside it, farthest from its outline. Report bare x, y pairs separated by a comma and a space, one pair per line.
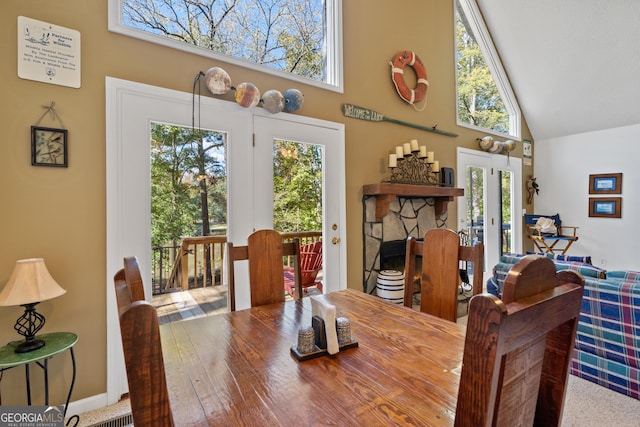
386, 192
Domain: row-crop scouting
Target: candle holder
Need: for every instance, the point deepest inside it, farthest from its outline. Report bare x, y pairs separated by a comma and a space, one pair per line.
415, 169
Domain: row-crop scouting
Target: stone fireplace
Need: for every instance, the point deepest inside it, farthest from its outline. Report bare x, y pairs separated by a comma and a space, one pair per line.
393, 212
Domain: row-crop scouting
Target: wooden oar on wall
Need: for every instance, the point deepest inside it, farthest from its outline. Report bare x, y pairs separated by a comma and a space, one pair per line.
373, 116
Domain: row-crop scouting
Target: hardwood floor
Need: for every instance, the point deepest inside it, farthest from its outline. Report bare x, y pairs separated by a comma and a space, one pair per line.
181, 305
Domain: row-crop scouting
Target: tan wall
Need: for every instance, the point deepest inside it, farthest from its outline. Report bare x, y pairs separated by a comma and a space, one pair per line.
59, 213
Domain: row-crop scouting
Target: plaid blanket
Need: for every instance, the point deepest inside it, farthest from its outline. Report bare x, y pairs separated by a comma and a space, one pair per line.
607, 347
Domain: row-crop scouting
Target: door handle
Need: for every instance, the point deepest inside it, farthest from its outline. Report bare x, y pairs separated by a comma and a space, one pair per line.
335, 240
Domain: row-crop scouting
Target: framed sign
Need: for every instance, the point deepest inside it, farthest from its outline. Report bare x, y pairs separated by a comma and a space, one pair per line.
48, 53
605, 207
608, 183
48, 147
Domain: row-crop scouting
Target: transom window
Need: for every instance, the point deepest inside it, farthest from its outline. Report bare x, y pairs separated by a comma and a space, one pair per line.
485, 100
297, 39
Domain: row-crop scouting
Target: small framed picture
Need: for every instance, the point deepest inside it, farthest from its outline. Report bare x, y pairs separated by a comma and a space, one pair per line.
605, 207
48, 147
608, 183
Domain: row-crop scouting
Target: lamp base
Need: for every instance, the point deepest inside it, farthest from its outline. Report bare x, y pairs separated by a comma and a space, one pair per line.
28, 346
28, 326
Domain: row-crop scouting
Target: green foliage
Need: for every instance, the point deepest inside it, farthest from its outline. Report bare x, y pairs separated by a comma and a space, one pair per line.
182, 171
184, 168
297, 182
479, 102
286, 35
474, 192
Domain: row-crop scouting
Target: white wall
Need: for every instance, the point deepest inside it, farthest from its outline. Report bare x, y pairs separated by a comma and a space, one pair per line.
562, 167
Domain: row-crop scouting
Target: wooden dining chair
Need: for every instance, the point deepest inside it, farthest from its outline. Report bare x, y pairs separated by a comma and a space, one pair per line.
517, 350
440, 252
264, 251
128, 283
148, 394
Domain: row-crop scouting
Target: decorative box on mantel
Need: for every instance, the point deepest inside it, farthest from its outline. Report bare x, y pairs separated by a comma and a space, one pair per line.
393, 212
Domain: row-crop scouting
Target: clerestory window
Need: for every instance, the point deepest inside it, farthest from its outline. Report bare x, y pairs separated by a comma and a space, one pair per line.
296, 39
485, 100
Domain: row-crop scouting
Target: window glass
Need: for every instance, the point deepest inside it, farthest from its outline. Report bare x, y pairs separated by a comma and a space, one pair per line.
299, 39
484, 97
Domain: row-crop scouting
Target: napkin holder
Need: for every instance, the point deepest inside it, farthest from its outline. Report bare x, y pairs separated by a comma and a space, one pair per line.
320, 335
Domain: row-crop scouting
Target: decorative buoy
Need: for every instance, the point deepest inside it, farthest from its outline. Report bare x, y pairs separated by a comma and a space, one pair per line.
273, 101
486, 143
217, 81
293, 100
247, 95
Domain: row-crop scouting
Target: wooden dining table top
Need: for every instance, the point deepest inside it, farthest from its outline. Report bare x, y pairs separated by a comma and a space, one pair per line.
237, 369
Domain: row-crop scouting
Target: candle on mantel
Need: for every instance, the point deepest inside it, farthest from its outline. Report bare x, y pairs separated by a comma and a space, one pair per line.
414, 145
393, 160
423, 152
430, 157
406, 148
399, 152
436, 166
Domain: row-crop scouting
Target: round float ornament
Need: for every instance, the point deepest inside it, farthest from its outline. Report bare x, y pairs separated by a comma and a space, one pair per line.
486, 143
273, 101
293, 100
217, 81
402, 60
247, 95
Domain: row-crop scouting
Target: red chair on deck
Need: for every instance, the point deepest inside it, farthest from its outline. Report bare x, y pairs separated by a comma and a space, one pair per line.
311, 264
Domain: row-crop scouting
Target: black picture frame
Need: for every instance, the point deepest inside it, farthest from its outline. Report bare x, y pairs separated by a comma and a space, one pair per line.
606, 183
48, 147
605, 207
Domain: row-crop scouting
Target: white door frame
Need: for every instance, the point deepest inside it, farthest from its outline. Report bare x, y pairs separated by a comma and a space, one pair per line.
130, 109
330, 136
492, 163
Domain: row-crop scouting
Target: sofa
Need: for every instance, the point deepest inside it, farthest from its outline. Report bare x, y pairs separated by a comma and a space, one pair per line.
607, 347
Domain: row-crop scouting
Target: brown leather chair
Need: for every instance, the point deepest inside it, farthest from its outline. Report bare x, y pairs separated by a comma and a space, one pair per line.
518, 350
440, 252
264, 251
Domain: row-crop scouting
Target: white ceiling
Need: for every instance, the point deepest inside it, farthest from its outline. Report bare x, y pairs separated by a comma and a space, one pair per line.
573, 64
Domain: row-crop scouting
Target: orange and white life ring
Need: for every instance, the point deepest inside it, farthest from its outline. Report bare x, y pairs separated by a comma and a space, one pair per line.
401, 60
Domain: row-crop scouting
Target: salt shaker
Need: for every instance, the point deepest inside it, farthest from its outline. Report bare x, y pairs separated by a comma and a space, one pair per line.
306, 340
343, 327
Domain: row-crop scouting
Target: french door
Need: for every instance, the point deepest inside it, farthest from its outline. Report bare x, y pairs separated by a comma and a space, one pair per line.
269, 130
131, 110
490, 211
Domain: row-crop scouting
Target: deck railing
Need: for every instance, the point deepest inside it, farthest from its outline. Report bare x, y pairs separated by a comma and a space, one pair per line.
199, 261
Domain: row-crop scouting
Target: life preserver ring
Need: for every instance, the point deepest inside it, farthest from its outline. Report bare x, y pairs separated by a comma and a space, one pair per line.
401, 60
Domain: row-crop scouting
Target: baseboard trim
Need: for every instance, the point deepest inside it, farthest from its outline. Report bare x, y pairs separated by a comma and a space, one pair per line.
87, 404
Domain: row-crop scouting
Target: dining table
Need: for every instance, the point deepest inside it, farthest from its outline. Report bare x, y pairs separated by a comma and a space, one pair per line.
237, 368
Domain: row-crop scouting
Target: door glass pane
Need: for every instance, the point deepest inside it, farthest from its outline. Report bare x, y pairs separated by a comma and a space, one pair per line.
297, 202
474, 193
506, 214
188, 200
297, 186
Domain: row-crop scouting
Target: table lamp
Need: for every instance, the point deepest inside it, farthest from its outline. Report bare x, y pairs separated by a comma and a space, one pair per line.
29, 284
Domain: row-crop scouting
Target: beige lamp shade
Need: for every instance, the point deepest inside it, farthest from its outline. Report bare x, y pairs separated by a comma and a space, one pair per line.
30, 282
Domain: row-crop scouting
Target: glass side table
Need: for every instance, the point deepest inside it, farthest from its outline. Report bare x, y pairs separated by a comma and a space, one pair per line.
55, 343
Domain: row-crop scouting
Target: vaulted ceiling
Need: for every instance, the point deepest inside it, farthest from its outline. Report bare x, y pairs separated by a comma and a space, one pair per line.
573, 64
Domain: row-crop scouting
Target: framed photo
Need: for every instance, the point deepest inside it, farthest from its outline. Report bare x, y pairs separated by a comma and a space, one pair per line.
605, 207
48, 147
608, 183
